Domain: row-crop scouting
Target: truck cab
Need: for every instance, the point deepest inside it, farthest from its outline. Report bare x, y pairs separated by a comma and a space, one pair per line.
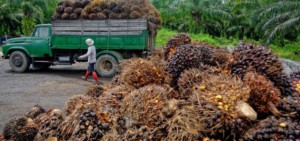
22, 51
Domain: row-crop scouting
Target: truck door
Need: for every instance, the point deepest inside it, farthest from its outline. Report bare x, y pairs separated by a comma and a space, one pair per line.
41, 42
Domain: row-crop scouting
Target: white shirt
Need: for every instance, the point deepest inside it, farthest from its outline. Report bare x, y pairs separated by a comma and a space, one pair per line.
91, 54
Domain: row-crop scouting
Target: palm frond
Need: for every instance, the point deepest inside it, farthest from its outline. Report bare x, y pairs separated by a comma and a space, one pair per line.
282, 29
273, 21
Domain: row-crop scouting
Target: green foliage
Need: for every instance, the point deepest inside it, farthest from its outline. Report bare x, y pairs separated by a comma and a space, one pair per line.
50, 10
27, 25
271, 21
12, 13
10, 18
289, 51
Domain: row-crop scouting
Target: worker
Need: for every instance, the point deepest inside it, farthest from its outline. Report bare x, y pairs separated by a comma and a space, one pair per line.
91, 54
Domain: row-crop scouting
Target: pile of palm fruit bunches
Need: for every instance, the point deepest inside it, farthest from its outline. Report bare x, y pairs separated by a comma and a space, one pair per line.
189, 90
108, 9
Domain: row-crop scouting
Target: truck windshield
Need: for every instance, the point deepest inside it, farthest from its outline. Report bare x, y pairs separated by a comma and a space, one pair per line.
42, 32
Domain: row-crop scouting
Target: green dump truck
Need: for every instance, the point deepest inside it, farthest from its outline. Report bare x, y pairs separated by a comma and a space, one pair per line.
63, 41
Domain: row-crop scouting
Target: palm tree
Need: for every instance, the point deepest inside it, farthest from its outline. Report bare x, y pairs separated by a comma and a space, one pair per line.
270, 20
10, 18
51, 8
33, 12
205, 10
278, 19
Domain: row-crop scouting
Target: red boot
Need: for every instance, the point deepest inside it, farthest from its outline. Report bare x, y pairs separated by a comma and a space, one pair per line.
86, 75
96, 77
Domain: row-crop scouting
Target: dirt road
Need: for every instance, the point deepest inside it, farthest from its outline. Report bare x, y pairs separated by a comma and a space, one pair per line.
50, 88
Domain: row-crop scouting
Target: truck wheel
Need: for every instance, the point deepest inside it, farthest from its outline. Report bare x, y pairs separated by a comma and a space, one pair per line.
19, 62
106, 65
41, 66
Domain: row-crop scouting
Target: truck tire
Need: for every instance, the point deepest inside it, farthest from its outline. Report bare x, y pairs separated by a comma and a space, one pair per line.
19, 62
41, 66
106, 65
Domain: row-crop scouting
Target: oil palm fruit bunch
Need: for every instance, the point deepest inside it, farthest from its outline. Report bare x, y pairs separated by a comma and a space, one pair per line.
185, 57
48, 124
71, 122
69, 9
264, 96
111, 100
35, 111
139, 72
76, 102
157, 57
220, 101
294, 81
95, 91
92, 126
185, 124
115, 81
20, 129
190, 77
214, 56
273, 128
144, 106
174, 43
290, 105
140, 133
249, 57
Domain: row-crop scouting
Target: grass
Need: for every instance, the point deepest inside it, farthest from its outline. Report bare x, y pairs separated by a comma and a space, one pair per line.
289, 51
165, 34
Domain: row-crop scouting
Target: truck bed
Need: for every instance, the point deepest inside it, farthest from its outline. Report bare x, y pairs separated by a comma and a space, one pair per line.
107, 34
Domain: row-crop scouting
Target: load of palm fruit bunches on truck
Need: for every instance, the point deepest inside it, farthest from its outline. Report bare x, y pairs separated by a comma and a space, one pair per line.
189, 90
108, 9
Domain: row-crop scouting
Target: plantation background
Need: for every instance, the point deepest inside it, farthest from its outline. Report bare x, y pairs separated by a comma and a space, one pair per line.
274, 23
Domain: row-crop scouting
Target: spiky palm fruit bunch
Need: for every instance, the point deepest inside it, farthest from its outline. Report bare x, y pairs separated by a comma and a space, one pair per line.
249, 57
111, 135
20, 129
157, 58
48, 124
272, 128
144, 106
218, 101
95, 91
174, 43
294, 81
139, 72
92, 126
116, 81
70, 9
76, 102
35, 111
111, 100
144, 132
264, 96
215, 56
185, 57
190, 77
184, 125
290, 105
69, 125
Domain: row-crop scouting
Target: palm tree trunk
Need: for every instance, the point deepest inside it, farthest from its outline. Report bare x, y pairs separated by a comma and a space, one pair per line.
197, 19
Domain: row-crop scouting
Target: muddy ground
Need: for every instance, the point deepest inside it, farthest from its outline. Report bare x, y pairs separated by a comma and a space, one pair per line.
50, 88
